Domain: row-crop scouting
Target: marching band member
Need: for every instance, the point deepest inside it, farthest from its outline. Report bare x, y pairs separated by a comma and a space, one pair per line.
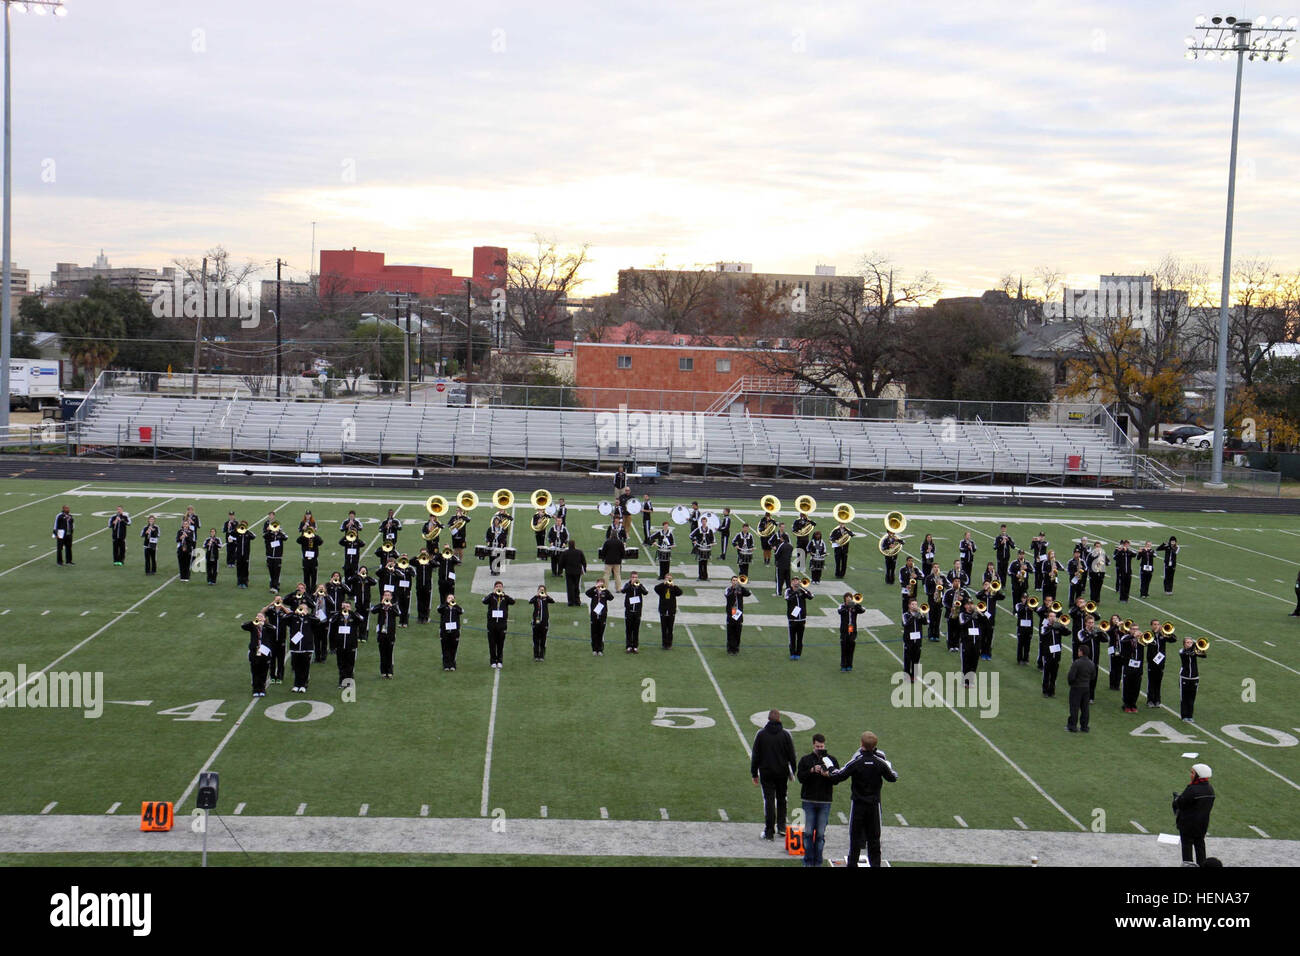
184, 551
117, 531
1097, 562
496, 538
766, 532
647, 515
150, 534
724, 532
337, 590
600, 598
359, 586
616, 528
388, 578
431, 531
228, 532
1077, 615
541, 521
405, 575
344, 637
668, 595
612, 553
269, 520
990, 574
957, 577
796, 616
1130, 658
633, 592
693, 515
1003, 546
1051, 569
987, 618
243, 548
1019, 571
193, 520
663, 541
816, 557
386, 633
389, 528
1077, 568
934, 589
891, 560
1189, 677
971, 623
953, 601
298, 631
744, 542
557, 537
62, 534
1090, 637
385, 553
909, 581
1082, 547
802, 530
424, 569
1123, 558
350, 523
458, 526
1170, 548
498, 605
848, 611
1038, 546
782, 555
258, 652
321, 610
1156, 662
928, 551
735, 595
1117, 631
449, 615
301, 648
913, 622
310, 544
561, 511
1146, 566
277, 614
212, 554
351, 545
967, 547
840, 545
1024, 628
1296, 612
541, 602
274, 540
1049, 650
447, 562
308, 521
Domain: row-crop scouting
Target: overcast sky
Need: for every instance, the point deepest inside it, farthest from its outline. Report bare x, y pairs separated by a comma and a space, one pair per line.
969, 139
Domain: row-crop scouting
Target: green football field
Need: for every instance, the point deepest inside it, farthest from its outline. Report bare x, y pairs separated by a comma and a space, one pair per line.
654, 736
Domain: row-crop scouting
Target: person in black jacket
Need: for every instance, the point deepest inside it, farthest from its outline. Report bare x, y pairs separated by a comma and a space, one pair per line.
772, 765
449, 615
150, 534
668, 595
498, 617
1189, 677
735, 596
228, 532
385, 614
274, 539
301, 649
117, 531
796, 616
816, 794
184, 552
541, 602
574, 565
1170, 548
212, 554
62, 534
1081, 677
848, 611
600, 598
424, 568
782, 555
344, 636
868, 769
913, 625
259, 652
1296, 612
352, 546
1192, 813
611, 552
634, 593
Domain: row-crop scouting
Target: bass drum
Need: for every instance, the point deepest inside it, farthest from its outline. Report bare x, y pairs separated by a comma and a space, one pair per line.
713, 521
681, 514
633, 507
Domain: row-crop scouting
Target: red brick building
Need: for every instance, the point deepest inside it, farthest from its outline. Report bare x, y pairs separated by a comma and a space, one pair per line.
359, 273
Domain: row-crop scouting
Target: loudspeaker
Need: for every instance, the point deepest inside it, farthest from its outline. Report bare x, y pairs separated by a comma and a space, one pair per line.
208, 790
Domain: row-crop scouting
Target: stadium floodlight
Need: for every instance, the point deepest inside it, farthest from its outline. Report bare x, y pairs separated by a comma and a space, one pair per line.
38, 7
1225, 36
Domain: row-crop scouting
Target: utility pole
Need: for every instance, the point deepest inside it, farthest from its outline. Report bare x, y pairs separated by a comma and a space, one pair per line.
469, 328
406, 351
277, 330
198, 325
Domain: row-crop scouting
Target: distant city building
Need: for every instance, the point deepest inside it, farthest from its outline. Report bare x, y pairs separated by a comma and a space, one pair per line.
19, 285
1116, 297
822, 283
352, 271
70, 279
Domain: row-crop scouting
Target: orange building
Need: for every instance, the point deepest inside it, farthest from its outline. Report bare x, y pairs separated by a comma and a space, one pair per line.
362, 272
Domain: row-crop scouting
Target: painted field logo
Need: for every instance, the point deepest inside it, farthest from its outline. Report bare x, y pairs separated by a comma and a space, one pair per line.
938, 689
682, 432
76, 909
55, 689
188, 299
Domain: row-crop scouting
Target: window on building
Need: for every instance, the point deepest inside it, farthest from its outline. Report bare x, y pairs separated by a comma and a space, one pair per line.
625, 361
724, 365
686, 365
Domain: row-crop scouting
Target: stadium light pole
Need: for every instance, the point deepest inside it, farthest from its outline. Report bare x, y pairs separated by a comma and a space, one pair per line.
1260, 39
37, 7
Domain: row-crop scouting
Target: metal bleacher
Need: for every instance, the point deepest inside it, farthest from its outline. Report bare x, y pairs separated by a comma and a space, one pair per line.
370, 431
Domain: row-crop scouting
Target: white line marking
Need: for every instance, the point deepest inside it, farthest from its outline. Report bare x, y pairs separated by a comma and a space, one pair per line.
544, 811
492, 726
604, 813
47, 498
46, 554
113, 808
239, 808
744, 744
723, 814
1020, 823
1270, 644
78, 647
1139, 827
162, 614
365, 809
960, 822
1279, 581
201, 613
302, 808
843, 818
424, 809
901, 821
50, 806
4, 612
215, 754
1259, 831
45, 612
1229, 544
84, 613
663, 813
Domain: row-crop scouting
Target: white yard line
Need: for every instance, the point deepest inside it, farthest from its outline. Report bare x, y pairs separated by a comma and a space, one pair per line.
1259, 831
492, 726
79, 646
76, 540
1139, 827
744, 743
1229, 544
39, 500
1020, 823
215, 754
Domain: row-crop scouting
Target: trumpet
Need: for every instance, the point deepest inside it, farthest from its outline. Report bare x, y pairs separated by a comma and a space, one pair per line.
805, 504
423, 557
1202, 645
542, 590
1128, 623
436, 505
1105, 627
843, 512
278, 602
241, 527
743, 580
805, 583
467, 500
1063, 620
1033, 603
857, 597
923, 608
981, 607
1090, 607
770, 503
503, 498
995, 585
540, 499
1167, 628
668, 579
895, 521
1055, 607
890, 551
1147, 638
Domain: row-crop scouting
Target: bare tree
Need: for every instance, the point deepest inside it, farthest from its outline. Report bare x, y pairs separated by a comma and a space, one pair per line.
1261, 315
1047, 279
594, 321
676, 300
537, 286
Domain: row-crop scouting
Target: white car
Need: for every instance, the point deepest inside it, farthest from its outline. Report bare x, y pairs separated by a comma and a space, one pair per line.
1205, 441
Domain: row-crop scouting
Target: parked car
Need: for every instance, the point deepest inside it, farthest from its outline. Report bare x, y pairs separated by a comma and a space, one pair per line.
1184, 433
1204, 440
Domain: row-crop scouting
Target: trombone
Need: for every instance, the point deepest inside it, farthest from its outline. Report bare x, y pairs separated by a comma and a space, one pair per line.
805, 583
1063, 620
1202, 645
1033, 603
350, 536
241, 528
436, 505
1105, 627
995, 585
1167, 628
857, 597
981, 607
923, 608
1090, 607
1147, 638
843, 512
742, 580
